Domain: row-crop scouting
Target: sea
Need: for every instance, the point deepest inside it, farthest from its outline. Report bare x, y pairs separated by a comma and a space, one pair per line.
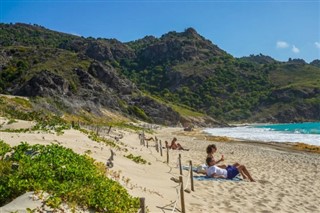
308, 133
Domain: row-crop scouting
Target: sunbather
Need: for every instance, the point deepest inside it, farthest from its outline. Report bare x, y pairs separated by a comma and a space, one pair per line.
211, 149
175, 145
229, 172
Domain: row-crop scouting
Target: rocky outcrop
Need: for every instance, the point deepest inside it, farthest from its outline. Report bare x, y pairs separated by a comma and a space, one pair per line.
290, 94
293, 105
44, 84
185, 46
315, 63
107, 75
100, 49
100, 87
301, 113
158, 113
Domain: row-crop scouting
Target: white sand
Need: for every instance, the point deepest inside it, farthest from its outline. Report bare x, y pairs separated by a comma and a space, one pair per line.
287, 181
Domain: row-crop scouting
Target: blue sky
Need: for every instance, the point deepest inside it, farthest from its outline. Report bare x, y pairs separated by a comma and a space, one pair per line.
281, 29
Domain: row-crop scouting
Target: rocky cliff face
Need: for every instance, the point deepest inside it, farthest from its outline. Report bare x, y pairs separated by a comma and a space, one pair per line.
43, 84
186, 46
316, 63
299, 109
100, 50
100, 86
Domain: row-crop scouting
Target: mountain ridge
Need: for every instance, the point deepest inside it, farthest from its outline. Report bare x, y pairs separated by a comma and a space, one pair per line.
179, 68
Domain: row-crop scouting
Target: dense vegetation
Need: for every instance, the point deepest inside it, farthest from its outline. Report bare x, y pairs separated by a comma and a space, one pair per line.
232, 91
66, 176
178, 69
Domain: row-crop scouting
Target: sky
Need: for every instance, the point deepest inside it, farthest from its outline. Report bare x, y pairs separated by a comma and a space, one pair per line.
281, 29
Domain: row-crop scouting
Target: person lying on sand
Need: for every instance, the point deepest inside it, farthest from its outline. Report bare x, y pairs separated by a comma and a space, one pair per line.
175, 145
229, 172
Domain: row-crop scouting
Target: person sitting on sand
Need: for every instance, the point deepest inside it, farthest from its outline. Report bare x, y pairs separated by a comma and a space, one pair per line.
228, 173
211, 149
175, 145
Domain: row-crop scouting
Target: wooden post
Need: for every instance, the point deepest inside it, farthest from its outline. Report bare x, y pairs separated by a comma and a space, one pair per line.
191, 175
157, 146
147, 144
97, 131
109, 130
144, 144
183, 210
160, 149
180, 167
142, 139
142, 205
167, 155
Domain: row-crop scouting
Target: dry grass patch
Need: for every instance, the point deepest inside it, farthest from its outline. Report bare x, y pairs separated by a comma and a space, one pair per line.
306, 147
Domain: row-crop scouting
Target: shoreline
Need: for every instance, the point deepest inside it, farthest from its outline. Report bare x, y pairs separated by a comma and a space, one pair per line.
289, 146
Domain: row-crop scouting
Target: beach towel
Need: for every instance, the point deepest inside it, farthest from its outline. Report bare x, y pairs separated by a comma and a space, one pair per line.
194, 168
204, 177
197, 169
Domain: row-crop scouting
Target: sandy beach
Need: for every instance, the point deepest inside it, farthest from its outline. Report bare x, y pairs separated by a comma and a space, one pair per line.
286, 180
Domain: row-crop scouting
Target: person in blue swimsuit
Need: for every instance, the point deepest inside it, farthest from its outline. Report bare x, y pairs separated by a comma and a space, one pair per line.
229, 172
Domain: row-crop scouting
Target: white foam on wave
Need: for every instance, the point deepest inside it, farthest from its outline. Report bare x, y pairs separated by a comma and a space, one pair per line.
264, 134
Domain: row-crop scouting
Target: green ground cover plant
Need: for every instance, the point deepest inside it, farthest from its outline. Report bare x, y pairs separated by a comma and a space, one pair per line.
68, 177
137, 159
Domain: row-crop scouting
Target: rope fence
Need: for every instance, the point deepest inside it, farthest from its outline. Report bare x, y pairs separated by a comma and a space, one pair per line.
180, 188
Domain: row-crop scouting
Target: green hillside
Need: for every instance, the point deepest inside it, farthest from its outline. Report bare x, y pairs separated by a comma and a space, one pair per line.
180, 69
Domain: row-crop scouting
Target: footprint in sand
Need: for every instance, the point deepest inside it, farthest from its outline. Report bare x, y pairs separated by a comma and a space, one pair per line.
263, 181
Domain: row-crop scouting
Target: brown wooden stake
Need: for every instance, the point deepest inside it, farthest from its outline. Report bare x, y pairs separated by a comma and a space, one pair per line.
97, 130
191, 175
167, 155
142, 205
180, 167
109, 130
160, 148
144, 144
183, 210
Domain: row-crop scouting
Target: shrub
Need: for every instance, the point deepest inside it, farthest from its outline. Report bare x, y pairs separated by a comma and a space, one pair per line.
138, 112
66, 176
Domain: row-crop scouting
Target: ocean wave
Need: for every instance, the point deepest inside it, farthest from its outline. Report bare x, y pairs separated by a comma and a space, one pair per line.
267, 134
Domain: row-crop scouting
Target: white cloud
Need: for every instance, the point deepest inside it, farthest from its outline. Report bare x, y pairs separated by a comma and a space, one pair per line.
317, 44
295, 49
282, 44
